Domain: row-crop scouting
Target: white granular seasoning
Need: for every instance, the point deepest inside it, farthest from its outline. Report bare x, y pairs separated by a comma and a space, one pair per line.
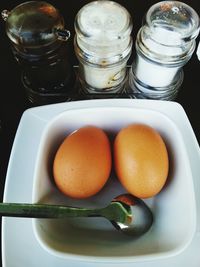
163, 43
104, 78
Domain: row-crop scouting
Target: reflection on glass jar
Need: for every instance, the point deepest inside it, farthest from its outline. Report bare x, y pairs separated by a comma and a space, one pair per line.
38, 39
103, 45
164, 44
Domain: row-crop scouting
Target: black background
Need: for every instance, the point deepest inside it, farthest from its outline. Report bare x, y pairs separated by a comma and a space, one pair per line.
13, 99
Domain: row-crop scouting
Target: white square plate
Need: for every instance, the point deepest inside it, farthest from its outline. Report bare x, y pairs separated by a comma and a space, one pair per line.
19, 246
95, 239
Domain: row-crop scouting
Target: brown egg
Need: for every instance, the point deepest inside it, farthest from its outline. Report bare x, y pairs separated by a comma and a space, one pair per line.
82, 163
141, 160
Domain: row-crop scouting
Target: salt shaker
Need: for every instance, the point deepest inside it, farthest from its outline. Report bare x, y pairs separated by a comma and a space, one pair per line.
164, 44
38, 38
103, 45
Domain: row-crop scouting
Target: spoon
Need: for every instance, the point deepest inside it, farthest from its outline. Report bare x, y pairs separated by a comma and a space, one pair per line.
128, 214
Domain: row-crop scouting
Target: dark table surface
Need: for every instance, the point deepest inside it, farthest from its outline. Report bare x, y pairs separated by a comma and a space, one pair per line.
13, 99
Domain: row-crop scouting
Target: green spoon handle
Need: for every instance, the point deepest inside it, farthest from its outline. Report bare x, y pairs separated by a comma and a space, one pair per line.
42, 210
114, 211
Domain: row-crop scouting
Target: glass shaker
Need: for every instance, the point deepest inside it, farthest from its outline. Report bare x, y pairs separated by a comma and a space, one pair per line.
102, 45
38, 40
164, 44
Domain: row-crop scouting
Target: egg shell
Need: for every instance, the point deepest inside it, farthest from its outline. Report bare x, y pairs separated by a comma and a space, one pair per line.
141, 160
82, 163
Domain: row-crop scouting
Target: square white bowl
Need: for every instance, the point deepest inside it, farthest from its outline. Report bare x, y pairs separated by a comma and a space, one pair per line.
95, 239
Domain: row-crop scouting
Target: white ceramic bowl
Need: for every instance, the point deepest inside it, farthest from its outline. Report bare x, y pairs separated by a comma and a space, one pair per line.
95, 239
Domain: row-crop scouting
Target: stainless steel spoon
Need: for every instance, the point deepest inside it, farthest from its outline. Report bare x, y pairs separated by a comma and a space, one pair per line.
127, 213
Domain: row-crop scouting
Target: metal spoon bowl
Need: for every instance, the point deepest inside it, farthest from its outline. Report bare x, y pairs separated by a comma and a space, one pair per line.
141, 217
127, 213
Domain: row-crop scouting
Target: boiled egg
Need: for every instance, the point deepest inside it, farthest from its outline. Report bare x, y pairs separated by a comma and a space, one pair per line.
82, 163
141, 160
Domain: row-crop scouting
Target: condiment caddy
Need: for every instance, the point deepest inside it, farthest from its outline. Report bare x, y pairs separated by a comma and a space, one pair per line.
103, 45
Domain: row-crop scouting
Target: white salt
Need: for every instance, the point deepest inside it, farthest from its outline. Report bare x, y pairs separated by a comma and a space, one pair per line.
104, 78
163, 43
154, 75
